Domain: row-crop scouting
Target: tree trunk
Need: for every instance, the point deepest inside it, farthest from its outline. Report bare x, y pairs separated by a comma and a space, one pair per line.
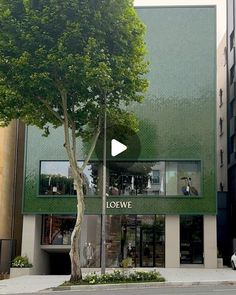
70, 145
76, 274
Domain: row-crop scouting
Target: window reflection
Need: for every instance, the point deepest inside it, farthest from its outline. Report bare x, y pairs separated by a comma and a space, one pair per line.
139, 237
57, 229
56, 179
183, 178
160, 178
140, 178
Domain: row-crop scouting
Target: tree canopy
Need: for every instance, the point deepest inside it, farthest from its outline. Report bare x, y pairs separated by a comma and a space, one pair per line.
87, 49
67, 63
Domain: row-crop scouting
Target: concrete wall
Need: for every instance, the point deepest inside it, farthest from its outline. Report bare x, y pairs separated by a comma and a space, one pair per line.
172, 245
31, 244
210, 244
172, 242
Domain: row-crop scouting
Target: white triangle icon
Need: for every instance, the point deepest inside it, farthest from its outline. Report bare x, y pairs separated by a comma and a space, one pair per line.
117, 147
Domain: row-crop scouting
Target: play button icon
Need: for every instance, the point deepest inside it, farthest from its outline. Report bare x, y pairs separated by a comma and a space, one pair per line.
117, 147
122, 144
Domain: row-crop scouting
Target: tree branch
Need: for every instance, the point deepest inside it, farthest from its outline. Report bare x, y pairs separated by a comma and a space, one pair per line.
51, 110
71, 155
73, 129
92, 147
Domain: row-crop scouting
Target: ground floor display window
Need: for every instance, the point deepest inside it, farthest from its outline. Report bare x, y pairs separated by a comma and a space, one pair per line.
191, 239
57, 229
139, 237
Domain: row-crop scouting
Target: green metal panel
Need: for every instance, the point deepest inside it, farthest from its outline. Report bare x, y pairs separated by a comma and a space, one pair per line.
177, 118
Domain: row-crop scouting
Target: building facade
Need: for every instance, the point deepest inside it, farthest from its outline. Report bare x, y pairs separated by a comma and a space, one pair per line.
162, 205
231, 103
11, 179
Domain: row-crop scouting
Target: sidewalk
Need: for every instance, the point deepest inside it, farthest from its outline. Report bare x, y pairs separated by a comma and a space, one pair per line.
173, 276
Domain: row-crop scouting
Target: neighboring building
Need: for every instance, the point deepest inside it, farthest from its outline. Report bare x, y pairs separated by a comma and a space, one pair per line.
232, 115
162, 206
11, 178
224, 240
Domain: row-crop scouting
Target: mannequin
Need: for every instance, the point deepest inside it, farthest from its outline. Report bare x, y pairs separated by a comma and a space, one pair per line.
130, 250
89, 253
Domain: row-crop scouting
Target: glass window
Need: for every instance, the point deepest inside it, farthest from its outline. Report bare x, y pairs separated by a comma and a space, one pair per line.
57, 229
221, 97
138, 237
233, 144
90, 241
231, 39
56, 178
232, 74
221, 157
221, 126
138, 178
155, 177
191, 239
232, 108
183, 178
123, 178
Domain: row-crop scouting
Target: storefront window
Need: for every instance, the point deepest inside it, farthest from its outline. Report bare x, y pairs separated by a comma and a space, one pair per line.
90, 241
191, 239
139, 237
57, 229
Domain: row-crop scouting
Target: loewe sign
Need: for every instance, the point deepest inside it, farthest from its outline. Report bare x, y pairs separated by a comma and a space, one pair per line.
119, 204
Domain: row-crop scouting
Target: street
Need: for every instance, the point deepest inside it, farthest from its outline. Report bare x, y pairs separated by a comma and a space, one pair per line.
193, 290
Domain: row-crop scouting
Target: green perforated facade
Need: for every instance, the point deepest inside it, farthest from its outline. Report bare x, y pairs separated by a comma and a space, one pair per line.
177, 118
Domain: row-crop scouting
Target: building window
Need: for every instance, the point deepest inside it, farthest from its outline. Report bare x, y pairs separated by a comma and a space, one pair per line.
232, 109
124, 178
232, 74
221, 187
220, 97
138, 178
191, 239
233, 144
57, 229
182, 178
221, 157
155, 177
221, 126
231, 40
56, 179
139, 237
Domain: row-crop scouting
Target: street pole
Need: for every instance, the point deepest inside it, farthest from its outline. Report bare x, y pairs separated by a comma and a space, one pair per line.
103, 252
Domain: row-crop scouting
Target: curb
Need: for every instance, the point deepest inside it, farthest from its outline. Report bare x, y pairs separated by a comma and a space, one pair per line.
142, 285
